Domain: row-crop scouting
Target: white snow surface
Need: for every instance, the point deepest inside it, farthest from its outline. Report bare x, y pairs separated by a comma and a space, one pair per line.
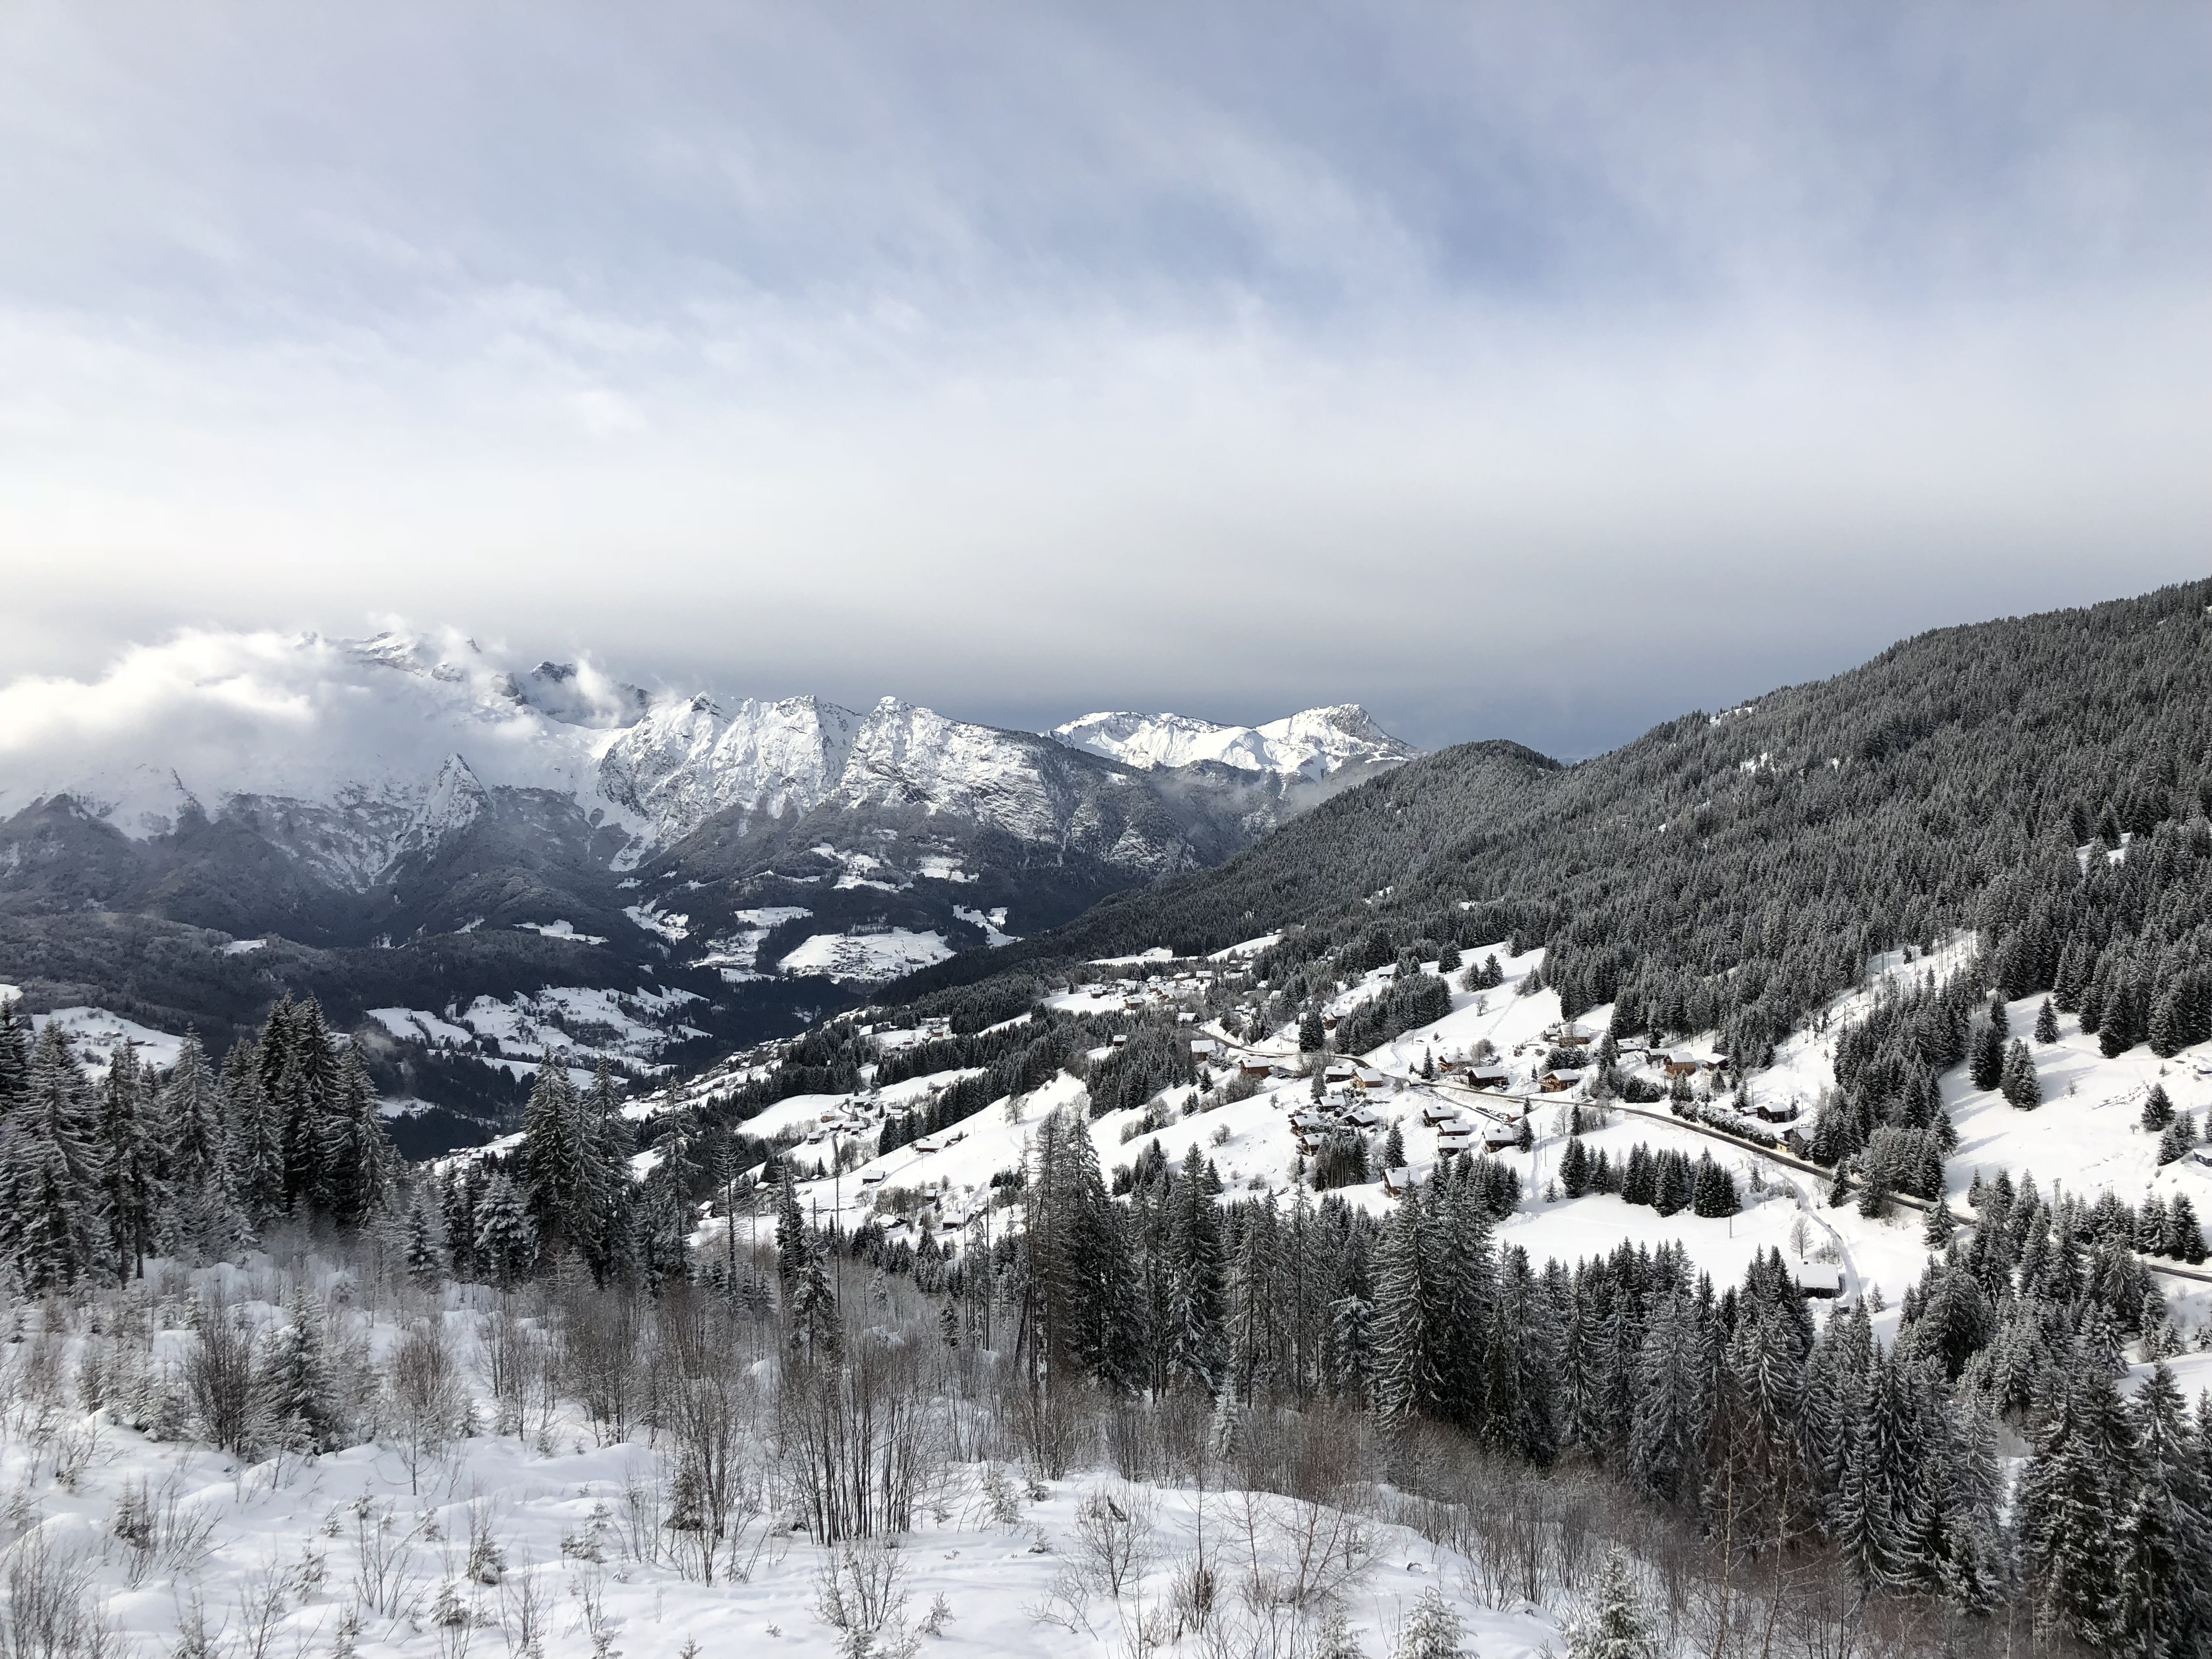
306, 1540
1311, 744
867, 958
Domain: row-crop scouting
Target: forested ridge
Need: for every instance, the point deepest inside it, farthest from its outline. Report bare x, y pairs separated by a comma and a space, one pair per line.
1732, 871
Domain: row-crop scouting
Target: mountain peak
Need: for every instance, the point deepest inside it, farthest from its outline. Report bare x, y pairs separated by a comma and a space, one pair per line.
1315, 743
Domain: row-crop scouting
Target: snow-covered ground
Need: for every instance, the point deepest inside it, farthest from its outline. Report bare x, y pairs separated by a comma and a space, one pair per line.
869, 958
553, 1539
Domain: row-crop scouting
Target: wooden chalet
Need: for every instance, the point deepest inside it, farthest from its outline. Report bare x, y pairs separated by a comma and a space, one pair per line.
1558, 1081
1819, 1278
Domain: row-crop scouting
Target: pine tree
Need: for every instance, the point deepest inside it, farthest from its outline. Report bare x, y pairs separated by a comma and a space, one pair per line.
506, 1238
1403, 1377
353, 1161
1195, 1278
297, 1382
129, 1155
2180, 1138
256, 1138
2157, 1109
424, 1264
2184, 1238
2072, 1496
14, 1056
2018, 1080
1432, 1630
1985, 1055
302, 1093
2046, 1023
1616, 1626
792, 1249
1999, 1019
2164, 1545
202, 1220
1937, 1234
1312, 1037
52, 1223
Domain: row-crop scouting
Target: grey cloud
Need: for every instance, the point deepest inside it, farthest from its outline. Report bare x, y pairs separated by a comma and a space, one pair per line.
1509, 369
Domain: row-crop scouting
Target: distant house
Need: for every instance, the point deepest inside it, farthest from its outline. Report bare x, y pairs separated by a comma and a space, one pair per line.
1200, 1047
1121, 1039
1255, 1068
1434, 1112
1395, 1181
1819, 1278
925, 1143
1681, 1063
1497, 1136
1457, 1139
1776, 1112
1340, 1071
1367, 1078
1488, 1077
1365, 1117
1558, 1081
872, 1177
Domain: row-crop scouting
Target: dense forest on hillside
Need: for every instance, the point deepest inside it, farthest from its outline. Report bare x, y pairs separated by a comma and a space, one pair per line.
1732, 871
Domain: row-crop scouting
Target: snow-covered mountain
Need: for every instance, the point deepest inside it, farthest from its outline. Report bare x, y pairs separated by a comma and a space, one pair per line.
1311, 745
415, 824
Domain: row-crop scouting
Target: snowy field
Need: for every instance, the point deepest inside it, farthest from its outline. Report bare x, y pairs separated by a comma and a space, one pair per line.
451, 1532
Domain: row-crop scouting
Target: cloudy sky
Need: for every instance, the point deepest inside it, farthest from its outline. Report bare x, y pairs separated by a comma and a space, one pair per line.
1532, 371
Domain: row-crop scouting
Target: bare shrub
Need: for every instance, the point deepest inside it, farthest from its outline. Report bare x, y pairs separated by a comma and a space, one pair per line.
859, 1591
53, 1609
862, 1442
220, 1380
152, 1528
1116, 1539
384, 1559
428, 1405
603, 1363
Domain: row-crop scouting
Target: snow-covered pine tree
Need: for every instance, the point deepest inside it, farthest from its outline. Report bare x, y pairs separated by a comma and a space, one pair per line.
605, 1235
353, 1160
1985, 1055
2018, 1080
426, 1263
2046, 1023
15, 1055
2071, 1498
52, 1223
297, 1382
1616, 1625
1403, 1373
1196, 1271
128, 1154
256, 1138
202, 1220
507, 1237
2157, 1109
1669, 1416
2165, 1541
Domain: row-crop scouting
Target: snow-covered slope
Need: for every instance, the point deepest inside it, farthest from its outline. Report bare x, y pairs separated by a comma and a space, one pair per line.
1313, 744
